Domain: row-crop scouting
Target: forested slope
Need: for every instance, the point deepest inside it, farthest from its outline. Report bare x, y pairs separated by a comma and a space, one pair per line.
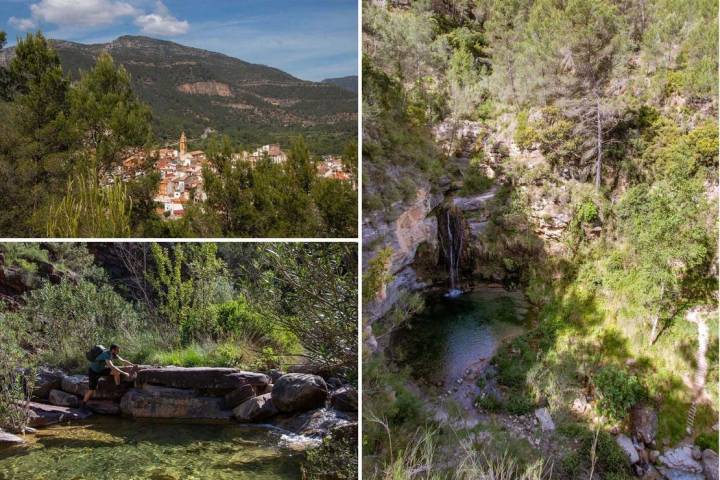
590, 128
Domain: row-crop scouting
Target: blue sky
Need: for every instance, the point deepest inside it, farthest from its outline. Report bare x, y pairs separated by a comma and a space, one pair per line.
311, 39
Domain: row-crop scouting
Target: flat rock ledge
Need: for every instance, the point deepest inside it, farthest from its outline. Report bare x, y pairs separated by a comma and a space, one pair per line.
300, 403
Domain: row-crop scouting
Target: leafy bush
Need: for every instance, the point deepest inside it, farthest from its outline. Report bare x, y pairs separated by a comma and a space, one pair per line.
611, 461
475, 181
617, 391
489, 403
707, 440
237, 319
525, 136
15, 385
376, 275
189, 279
24, 255
59, 312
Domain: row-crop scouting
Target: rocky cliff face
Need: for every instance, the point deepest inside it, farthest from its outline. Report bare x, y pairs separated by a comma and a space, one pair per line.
412, 227
413, 231
218, 89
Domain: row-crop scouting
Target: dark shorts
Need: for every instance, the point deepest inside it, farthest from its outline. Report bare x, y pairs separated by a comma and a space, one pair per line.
94, 376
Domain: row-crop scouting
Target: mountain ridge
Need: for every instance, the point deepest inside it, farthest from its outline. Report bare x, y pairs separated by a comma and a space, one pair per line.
348, 82
192, 89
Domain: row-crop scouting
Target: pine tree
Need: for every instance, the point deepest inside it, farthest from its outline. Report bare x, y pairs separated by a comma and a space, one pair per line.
106, 115
34, 142
581, 57
301, 167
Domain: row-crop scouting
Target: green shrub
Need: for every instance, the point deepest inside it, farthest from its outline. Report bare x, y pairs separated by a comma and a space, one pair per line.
489, 403
14, 358
611, 461
524, 136
377, 274
475, 181
519, 405
707, 440
617, 391
236, 317
59, 312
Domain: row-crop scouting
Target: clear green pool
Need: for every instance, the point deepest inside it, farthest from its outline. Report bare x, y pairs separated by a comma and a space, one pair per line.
452, 335
114, 448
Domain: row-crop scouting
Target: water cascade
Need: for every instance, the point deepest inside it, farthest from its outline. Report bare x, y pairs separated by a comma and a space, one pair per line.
451, 230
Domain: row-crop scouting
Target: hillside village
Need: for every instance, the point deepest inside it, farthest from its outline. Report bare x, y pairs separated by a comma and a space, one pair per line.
181, 179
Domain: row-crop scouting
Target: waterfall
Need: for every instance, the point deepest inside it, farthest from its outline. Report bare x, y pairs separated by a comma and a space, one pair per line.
451, 241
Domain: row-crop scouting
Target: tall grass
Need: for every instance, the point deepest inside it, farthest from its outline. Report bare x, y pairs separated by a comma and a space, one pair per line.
421, 461
226, 354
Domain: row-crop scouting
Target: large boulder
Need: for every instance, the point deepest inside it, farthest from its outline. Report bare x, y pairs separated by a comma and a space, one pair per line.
164, 402
41, 414
10, 439
345, 399
238, 396
299, 392
315, 423
680, 459
211, 380
106, 389
46, 379
644, 423
63, 399
256, 409
710, 464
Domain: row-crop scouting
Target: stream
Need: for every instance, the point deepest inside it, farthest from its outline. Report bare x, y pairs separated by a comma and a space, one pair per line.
116, 448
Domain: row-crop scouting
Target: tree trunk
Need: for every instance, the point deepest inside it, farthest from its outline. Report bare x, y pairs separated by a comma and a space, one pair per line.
598, 161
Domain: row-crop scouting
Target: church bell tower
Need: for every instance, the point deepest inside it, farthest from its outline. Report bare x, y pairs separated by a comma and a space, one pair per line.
183, 144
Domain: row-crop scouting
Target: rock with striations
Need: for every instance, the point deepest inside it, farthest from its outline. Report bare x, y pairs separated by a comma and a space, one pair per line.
256, 409
103, 407
167, 392
215, 380
63, 399
42, 414
345, 399
299, 392
627, 446
710, 464
165, 402
46, 379
238, 396
10, 439
680, 459
644, 423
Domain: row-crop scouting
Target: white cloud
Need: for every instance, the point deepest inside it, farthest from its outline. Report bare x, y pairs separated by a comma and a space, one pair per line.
83, 13
162, 22
23, 24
